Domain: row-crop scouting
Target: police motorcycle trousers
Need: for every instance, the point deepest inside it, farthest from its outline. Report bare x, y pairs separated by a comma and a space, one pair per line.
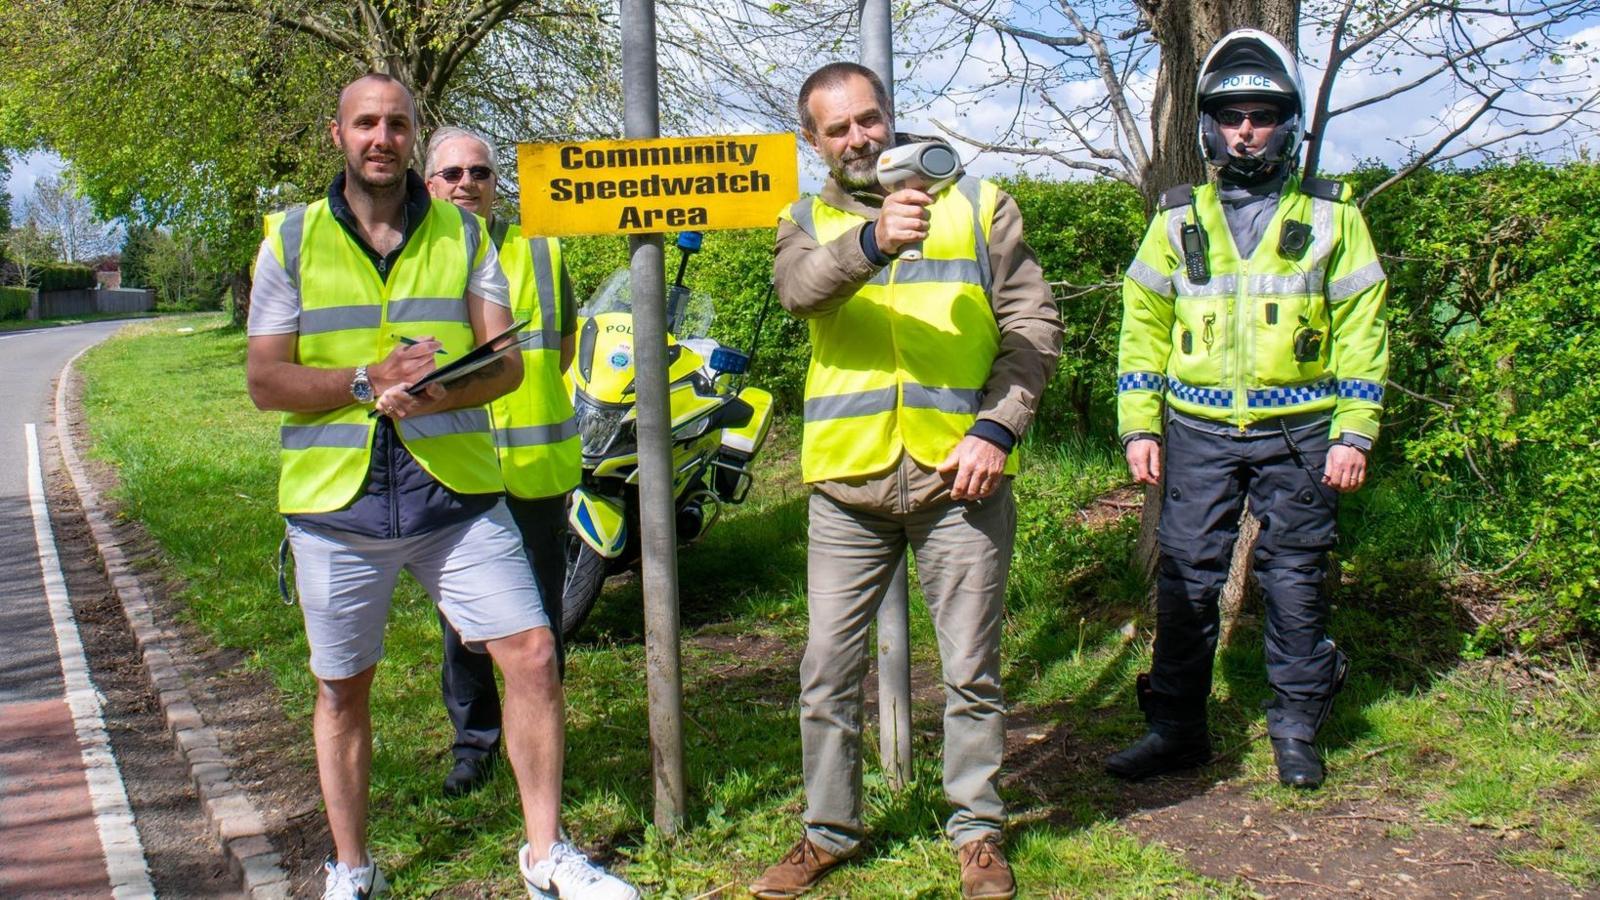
1210, 471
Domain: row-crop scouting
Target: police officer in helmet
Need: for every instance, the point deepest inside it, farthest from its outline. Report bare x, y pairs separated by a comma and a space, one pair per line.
1253, 348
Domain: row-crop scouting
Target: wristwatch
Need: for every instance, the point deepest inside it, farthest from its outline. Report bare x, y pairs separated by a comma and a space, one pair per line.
361, 386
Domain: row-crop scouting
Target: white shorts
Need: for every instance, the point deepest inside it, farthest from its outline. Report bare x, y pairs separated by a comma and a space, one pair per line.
475, 571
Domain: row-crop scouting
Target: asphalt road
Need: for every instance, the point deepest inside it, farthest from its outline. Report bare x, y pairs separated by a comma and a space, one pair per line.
89, 780
28, 365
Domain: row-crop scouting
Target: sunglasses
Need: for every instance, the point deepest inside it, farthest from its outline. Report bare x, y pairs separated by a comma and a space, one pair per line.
1260, 118
453, 174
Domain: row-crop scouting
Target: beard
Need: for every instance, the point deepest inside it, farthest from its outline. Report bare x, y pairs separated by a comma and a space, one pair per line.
355, 170
858, 172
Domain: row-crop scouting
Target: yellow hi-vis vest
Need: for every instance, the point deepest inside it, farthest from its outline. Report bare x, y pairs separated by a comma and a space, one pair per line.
534, 431
900, 367
350, 317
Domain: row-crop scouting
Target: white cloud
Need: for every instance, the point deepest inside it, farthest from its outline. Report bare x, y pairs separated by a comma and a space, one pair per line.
25, 173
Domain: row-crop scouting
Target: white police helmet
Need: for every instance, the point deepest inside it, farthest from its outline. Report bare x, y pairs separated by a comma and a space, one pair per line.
1247, 64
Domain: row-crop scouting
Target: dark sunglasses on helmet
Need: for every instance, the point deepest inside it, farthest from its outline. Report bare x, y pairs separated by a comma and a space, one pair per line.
1260, 118
453, 174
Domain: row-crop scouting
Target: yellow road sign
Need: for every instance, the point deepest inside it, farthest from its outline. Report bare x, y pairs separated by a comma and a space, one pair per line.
642, 186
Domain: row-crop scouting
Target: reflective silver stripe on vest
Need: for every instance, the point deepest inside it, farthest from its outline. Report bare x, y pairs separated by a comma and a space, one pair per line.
339, 318
456, 421
1175, 219
469, 224
1322, 213
1356, 282
535, 435
1216, 286
429, 309
292, 232
1146, 275
844, 406
544, 281
939, 271
1298, 283
801, 212
943, 399
341, 437
972, 189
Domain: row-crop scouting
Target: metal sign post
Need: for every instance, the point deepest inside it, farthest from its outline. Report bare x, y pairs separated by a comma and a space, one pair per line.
657, 529
894, 629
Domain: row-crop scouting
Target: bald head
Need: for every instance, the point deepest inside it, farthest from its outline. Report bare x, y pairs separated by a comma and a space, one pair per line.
369, 82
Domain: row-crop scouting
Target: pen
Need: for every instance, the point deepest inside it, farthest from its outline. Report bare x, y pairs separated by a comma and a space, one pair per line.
409, 342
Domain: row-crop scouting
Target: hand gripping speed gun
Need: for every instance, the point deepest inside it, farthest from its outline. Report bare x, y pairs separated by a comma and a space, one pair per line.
927, 166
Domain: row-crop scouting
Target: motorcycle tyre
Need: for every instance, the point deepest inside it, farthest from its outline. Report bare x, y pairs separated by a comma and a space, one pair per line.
586, 577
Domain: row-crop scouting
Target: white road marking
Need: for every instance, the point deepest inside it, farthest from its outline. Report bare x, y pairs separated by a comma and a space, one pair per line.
113, 818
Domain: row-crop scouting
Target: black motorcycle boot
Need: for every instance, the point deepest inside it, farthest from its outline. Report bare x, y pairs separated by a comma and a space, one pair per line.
1177, 738
1299, 763
1293, 726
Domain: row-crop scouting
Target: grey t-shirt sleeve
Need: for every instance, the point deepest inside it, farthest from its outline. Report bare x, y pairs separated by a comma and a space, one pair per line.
274, 302
488, 279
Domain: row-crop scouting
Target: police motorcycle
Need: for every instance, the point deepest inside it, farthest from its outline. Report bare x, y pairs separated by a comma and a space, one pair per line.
718, 426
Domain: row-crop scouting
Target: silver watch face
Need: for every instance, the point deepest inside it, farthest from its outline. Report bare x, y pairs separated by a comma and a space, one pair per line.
361, 388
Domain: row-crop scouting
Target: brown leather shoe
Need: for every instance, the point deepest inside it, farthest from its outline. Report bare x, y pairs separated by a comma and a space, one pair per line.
985, 875
799, 871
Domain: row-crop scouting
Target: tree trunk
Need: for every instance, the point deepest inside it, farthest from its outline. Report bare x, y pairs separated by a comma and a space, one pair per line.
1186, 32
1239, 589
239, 284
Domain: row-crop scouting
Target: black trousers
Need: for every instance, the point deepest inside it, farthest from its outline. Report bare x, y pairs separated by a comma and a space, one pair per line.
1208, 477
467, 678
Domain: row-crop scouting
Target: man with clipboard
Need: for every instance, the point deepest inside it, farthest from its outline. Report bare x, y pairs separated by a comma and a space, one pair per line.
354, 297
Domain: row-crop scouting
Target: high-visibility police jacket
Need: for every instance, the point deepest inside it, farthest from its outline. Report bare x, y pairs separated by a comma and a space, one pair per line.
350, 316
534, 431
1222, 346
900, 367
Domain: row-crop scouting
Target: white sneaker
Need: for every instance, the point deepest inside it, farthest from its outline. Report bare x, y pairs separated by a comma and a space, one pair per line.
569, 875
360, 883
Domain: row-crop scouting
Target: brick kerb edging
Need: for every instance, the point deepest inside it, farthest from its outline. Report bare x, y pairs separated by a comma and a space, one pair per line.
233, 818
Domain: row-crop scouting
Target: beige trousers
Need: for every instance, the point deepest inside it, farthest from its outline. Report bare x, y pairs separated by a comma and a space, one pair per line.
963, 553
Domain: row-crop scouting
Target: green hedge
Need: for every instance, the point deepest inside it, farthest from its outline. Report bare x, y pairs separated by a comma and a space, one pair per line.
63, 277
1494, 318
14, 302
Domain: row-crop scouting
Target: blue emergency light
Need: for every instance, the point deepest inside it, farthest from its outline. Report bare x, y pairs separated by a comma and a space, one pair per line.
730, 361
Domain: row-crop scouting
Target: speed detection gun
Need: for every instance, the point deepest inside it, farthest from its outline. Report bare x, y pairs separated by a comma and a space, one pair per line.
927, 166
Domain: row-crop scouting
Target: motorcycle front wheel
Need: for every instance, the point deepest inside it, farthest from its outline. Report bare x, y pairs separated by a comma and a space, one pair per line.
586, 576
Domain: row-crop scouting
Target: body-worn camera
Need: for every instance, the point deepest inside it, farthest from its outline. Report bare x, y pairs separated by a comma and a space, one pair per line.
1294, 239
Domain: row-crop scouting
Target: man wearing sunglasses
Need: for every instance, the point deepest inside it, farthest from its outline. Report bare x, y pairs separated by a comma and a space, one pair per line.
535, 437
1253, 313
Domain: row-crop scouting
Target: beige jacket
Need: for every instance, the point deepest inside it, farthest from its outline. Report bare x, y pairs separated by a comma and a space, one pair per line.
814, 279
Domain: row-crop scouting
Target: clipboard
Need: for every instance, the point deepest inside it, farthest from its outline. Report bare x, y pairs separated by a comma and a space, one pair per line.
482, 355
